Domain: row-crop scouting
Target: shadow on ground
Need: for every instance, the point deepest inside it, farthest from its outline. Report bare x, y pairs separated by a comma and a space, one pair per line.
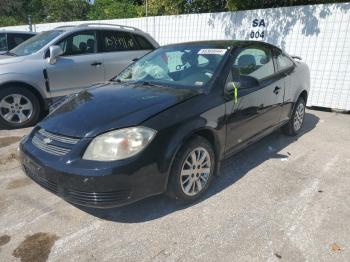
232, 169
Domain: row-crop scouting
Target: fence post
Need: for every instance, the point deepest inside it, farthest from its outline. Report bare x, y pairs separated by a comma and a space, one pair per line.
30, 23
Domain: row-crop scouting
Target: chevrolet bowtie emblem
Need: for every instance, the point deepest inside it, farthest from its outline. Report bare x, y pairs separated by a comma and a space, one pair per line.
47, 140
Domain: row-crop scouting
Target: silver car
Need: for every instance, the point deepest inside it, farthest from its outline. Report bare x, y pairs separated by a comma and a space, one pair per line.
11, 39
62, 61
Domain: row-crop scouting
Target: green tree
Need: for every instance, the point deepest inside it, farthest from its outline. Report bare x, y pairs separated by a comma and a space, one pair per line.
205, 6
8, 21
11, 12
164, 7
111, 9
65, 10
35, 8
17, 11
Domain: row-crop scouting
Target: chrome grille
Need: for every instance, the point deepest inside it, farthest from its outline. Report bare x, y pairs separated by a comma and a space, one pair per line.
63, 139
52, 143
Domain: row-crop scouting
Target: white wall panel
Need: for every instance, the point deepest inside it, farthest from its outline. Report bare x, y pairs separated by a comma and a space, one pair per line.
320, 34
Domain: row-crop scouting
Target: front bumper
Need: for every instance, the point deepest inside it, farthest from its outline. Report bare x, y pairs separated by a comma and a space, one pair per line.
99, 185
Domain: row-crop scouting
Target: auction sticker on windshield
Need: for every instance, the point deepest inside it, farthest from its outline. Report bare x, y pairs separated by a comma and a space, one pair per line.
212, 51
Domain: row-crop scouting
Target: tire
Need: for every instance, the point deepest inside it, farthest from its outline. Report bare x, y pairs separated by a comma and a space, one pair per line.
178, 188
19, 108
296, 121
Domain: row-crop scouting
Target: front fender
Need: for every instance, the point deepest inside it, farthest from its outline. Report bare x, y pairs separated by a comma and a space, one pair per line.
182, 135
37, 82
203, 115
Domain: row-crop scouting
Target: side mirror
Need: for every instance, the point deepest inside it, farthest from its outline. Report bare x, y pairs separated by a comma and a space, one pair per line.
231, 85
55, 51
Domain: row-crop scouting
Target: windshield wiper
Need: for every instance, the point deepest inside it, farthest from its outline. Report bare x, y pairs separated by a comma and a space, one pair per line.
146, 83
10, 53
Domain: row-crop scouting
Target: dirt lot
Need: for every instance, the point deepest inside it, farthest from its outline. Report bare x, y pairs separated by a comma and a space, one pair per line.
283, 199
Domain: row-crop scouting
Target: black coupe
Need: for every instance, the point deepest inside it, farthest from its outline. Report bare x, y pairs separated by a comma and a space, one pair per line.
165, 122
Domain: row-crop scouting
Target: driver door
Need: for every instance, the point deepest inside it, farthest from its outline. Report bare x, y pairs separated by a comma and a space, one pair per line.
260, 95
79, 67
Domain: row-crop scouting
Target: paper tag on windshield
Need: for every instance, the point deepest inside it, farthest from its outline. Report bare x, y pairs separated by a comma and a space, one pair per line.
212, 51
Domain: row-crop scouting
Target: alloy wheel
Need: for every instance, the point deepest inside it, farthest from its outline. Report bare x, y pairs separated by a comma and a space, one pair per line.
299, 116
195, 171
16, 108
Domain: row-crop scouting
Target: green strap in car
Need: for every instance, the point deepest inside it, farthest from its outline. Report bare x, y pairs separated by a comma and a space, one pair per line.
235, 93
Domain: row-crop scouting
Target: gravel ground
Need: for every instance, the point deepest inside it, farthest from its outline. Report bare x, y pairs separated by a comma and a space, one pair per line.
283, 199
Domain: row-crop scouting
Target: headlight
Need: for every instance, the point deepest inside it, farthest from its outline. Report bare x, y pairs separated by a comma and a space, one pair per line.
119, 144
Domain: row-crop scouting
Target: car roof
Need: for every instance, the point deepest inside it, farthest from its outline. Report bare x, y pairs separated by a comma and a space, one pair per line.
98, 26
17, 32
224, 43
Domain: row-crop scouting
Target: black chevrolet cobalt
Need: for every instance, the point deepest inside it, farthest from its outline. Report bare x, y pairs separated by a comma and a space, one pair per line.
165, 122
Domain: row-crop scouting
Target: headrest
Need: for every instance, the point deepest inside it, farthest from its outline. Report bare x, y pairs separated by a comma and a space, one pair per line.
82, 46
190, 58
246, 60
264, 60
90, 42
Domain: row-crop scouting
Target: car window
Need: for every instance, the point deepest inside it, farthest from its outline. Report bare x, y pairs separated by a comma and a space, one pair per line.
255, 62
14, 40
35, 43
176, 61
3, 42
283, 62
79, 43
144, 44
188, 66
113, 41
202, 61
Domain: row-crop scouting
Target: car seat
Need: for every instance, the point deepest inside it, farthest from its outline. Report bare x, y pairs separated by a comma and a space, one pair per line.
90, 45
247, 64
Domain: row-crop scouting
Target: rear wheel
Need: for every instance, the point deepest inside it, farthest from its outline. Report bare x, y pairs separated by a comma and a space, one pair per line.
296, 121
192, 170
18, 108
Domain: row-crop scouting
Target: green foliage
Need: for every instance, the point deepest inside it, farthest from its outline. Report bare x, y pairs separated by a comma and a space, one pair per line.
111, 9
8, 21
175, 7
163, 7
65, 10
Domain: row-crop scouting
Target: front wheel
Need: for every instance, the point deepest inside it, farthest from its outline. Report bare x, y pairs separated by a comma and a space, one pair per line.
296, 121
192, 170
18, 108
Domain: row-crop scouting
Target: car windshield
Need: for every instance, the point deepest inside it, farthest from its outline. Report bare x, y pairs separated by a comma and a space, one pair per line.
34, 44
3, 42
188, 66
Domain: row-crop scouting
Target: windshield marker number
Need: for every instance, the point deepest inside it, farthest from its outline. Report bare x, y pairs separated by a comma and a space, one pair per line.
212, 51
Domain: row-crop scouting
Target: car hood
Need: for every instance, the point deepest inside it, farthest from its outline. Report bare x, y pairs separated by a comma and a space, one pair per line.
5, 59
111, 106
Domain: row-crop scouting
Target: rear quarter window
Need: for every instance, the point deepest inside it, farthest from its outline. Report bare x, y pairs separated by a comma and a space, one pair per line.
283, 62
144, 44
113, 41
16, 39
3, 42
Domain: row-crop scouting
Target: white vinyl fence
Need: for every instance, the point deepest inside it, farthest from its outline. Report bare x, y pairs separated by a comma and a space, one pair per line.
320, 34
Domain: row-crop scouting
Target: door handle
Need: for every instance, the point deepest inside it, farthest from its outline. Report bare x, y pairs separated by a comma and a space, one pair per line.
96, 64
276, 89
